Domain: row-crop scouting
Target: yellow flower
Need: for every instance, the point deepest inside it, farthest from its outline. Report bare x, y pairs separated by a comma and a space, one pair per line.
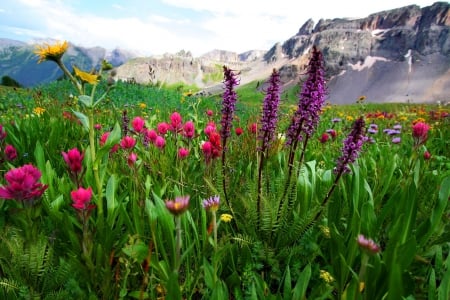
226, 218
86, 77
326, 276
403, 118
142, 105
51, 52
350, 118
325, 230
38, 110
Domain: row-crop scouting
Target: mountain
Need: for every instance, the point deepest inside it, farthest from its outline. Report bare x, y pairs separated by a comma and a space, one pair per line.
398, 55
18, 61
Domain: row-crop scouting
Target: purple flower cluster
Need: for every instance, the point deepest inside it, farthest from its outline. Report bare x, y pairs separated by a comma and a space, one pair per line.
312, 98
352, 146
228, 103
269, 117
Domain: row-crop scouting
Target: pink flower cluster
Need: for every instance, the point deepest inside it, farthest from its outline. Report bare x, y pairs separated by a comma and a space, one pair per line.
9, 152
23, 184
368, 244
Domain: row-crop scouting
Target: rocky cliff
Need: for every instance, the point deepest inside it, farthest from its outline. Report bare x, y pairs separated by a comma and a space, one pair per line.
397, 55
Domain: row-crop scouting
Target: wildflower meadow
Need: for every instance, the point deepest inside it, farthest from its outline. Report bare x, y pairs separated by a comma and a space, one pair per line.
112, 190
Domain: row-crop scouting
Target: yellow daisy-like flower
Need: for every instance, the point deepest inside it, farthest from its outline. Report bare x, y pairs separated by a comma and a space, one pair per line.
326, 276
51, 52
142, 105
38, 110
86, 77
226, 218
350, 118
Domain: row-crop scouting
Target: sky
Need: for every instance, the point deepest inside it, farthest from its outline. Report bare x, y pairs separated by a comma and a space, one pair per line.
156, 27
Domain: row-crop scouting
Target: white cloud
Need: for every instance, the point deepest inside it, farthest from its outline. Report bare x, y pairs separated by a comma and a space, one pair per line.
235, 25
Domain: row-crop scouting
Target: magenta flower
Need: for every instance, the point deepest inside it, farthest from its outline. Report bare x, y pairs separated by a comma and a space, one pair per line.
127, 142
81, 199
98, 126
103, 140
426, 155
212, 203
209, 113
210, 128
138, 124
160, 142
151, 135
175, 122
23, 184
252, 128
420, 133
178, 206
74, 160
162, 128
132, 159
207, 148
10, 152
239, 131
367, 245
183, 153
324, 138
189, 129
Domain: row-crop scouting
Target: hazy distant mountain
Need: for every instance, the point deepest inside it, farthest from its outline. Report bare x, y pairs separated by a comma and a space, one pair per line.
18, 61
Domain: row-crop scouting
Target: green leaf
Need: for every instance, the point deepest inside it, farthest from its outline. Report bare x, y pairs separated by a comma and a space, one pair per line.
111, 200
173, 287
83, 119
287, 288
302, 283
86, 100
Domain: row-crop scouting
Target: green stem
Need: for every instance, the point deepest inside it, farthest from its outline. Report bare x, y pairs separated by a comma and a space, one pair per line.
69, 75
95, 164
177, 243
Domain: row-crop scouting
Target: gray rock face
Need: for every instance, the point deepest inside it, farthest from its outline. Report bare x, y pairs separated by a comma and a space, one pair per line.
367, 51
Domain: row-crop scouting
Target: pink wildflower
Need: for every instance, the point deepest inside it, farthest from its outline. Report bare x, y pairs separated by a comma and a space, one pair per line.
183, 153
162, 128
10, 152
23, 184
138, 124
175, 122
74, 160
189, 129
178, 206
81, 198
127, 142
160, 142
368, 244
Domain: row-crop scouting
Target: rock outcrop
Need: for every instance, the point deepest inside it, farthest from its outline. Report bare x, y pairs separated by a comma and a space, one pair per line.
395, 55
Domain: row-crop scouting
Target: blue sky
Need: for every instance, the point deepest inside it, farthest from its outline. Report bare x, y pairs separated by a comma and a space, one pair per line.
159, 26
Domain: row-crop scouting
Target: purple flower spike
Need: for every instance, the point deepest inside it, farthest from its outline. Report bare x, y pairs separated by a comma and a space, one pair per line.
352, 146
228, 103
269, 117
312, 97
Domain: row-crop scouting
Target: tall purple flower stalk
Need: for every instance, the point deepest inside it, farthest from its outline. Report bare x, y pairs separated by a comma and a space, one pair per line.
229, 99
311, 100
352, 146
269, 120
306, 118
350, 152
